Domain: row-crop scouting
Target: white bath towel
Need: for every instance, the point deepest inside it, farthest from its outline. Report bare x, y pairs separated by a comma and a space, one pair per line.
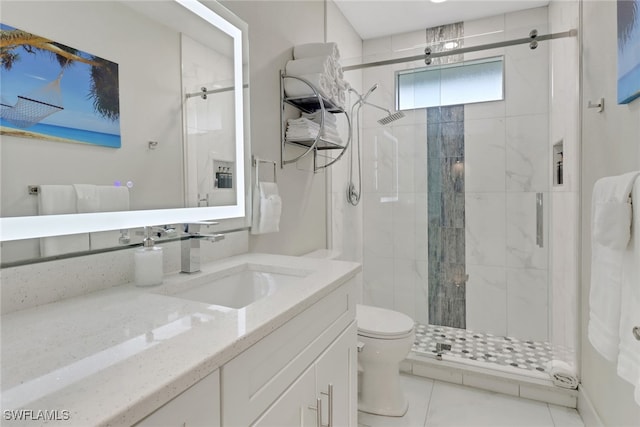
606, 266
320, 81
87, 198
629, 358
316, 49
562, 374
312, 65
57, 200
267, 209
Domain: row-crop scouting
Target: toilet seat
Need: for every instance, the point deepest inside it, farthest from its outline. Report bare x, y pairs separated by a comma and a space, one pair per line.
381, 323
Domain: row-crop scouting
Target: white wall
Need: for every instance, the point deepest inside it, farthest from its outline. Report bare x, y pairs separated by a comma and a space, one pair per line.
274, 28
610, 146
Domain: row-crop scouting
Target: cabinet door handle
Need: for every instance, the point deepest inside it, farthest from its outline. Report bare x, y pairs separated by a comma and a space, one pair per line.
539, 220
329, 395
330, 405
318, 409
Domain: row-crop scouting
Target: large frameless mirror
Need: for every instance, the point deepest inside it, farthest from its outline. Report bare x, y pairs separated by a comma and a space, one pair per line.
144, 122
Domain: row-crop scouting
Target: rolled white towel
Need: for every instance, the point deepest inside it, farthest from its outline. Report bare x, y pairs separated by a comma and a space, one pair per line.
316, 49
562, 374
342, 84
296, 88
316, 64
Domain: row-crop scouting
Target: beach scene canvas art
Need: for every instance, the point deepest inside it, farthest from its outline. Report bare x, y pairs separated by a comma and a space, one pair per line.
628, 50
54, 92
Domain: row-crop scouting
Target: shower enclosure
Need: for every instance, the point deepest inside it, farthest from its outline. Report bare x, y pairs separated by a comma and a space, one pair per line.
470, 206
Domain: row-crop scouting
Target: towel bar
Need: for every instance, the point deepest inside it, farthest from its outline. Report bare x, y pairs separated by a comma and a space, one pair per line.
255, 162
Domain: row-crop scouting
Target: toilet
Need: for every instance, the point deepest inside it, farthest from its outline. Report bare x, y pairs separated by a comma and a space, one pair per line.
385, 338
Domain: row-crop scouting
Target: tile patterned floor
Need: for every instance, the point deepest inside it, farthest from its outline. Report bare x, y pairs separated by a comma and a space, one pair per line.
505, 351
439, 404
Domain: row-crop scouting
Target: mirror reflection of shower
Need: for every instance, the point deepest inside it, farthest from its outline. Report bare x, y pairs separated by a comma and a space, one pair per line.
353, 191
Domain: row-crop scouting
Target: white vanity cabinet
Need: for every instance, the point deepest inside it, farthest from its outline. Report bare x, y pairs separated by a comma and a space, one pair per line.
327, 384
280, 380
198, 406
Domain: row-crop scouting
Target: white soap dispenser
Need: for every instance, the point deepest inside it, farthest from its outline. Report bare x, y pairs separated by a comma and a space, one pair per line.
148, 262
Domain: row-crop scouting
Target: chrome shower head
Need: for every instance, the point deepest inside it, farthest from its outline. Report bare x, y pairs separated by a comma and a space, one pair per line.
366, 95
392, 117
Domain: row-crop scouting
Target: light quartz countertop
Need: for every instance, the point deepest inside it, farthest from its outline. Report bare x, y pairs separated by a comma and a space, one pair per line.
114, 356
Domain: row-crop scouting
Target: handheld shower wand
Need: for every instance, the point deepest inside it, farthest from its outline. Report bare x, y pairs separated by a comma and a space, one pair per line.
353, 193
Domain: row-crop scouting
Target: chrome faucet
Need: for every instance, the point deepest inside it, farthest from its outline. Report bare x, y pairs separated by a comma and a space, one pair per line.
190, 246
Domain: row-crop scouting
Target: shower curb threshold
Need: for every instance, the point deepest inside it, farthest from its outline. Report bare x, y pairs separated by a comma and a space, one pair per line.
505, 380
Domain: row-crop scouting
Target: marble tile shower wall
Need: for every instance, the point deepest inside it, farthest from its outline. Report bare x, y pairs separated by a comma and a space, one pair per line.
506, 164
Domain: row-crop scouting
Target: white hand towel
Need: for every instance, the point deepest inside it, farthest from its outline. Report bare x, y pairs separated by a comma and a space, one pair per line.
267, 216
562, 374
87, 198
316, 49
58, 200
629, 357
606, 267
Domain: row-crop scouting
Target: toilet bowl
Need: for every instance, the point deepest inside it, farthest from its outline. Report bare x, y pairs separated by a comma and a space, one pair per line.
385, 338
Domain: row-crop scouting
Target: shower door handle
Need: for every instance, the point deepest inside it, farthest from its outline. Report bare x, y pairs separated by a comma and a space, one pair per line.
539, 220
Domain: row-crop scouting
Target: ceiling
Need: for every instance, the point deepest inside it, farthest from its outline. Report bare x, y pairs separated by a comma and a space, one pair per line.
377, 18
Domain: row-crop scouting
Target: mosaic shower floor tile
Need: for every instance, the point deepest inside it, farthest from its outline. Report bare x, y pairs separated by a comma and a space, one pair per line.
504, 351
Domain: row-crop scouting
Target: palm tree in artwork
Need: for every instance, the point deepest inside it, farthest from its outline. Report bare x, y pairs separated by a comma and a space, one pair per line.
103, 90
628, 16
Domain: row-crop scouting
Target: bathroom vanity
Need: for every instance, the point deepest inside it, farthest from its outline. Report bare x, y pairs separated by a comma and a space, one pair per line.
282, 351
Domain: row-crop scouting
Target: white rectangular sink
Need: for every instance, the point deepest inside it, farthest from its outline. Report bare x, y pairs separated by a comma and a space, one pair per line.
240, 286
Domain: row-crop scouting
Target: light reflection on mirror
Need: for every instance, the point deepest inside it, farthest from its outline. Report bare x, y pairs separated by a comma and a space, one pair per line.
146, 39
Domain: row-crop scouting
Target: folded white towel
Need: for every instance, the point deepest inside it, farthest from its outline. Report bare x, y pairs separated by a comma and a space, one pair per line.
312, 65
316, 49
606, 266
329, 119
87, 198
302, 129
267, 209
629, 358
562, 374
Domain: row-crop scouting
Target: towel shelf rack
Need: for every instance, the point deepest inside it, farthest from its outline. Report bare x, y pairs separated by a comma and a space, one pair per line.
310, 104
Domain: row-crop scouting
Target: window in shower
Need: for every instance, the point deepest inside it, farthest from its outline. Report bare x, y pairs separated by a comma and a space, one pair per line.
451, 84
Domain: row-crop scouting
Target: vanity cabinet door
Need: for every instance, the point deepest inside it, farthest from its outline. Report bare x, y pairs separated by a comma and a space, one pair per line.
336, 366
293, 408
337, 370
198, 406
